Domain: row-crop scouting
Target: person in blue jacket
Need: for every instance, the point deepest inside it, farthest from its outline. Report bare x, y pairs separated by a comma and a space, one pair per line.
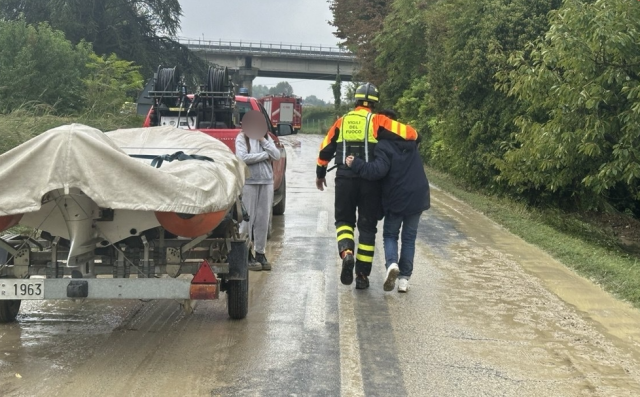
405, 195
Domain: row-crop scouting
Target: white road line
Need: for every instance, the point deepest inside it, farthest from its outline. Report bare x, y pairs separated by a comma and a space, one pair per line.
314, 316
350, 367
323, 222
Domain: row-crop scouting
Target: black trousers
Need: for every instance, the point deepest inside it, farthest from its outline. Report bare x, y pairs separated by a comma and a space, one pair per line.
361, 197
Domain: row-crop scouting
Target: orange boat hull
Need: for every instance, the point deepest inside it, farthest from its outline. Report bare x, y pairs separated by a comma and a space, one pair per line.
190, 225
8, 221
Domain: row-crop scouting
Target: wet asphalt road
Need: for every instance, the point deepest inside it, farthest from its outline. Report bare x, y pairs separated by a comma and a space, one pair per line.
486, 315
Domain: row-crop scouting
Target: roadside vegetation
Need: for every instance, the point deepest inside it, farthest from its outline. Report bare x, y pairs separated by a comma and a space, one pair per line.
530, 111
317, 119
58, 69
536, 100
139, 31
27, 122
46, 81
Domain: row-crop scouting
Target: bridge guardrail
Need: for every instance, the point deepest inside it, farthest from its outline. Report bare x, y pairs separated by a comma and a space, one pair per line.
267, 48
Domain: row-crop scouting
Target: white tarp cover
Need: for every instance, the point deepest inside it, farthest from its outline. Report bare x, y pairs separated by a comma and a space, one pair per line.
78, 156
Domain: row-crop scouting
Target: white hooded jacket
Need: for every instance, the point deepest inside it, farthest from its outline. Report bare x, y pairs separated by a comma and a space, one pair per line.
258, 156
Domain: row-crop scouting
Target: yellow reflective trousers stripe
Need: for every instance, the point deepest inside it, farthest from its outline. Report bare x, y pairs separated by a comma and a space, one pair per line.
344, 227
366, 247
345, 236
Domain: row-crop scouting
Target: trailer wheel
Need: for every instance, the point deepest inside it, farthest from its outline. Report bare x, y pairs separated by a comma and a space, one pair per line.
279, 209
238, 298
9, 310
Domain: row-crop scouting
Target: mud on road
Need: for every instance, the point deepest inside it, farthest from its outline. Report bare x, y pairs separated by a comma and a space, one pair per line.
486, 315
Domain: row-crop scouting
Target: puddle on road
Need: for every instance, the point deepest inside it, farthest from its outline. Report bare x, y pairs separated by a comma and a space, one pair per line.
533, 317
51, 337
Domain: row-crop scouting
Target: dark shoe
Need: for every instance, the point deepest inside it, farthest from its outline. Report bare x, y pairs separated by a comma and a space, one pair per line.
253, 265
362, 282
346, 276
262, 260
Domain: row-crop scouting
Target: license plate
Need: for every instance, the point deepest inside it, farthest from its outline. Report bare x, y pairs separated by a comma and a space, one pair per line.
21, 289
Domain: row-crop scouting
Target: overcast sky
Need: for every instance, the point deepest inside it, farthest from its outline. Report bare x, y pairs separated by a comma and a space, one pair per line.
286, 21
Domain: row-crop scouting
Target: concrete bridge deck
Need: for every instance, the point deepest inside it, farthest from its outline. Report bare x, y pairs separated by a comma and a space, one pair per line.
264, 48
248, 59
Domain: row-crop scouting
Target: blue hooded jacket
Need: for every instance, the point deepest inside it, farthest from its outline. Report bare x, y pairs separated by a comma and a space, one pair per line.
405, 188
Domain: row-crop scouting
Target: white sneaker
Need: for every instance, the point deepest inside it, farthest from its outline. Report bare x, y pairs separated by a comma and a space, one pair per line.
392, 274
403, 285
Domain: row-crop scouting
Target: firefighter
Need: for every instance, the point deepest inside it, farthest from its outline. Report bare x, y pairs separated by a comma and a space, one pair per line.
356, 133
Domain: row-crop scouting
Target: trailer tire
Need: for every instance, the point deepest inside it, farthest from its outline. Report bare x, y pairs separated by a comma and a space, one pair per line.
279, 209
238, 298
9, 310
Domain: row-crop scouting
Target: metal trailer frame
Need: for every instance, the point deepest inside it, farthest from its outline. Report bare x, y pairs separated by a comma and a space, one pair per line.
151, 265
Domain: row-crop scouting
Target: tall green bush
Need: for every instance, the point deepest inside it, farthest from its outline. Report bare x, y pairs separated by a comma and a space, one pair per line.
37, 64
109, 83
39, 69
580, 134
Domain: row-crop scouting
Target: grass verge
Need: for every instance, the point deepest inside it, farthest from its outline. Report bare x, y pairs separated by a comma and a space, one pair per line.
21, 125
578, 244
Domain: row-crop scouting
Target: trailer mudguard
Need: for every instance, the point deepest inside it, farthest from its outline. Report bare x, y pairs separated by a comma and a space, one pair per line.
238, 260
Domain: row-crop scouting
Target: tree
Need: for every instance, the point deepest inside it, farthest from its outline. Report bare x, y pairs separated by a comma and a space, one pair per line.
40, 66
109, 83
357, 23
313, 100
142, 31
463, 47
349, 96
337, 92
401, 50
282, 87
259, 90
580, 134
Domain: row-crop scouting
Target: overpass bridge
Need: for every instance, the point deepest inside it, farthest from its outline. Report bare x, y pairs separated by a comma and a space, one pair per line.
246, 60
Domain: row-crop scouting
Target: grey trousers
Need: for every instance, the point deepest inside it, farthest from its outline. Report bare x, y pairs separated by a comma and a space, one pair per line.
258, 201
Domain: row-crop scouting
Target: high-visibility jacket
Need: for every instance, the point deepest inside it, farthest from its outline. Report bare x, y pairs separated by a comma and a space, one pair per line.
356, 133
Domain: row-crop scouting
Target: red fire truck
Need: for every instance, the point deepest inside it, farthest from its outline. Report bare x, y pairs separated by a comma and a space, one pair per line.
284, 109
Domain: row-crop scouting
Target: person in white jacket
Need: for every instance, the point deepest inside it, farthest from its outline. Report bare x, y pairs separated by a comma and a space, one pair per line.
257, 194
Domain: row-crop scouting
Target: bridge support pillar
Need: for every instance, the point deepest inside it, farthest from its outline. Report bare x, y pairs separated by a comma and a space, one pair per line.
243, 77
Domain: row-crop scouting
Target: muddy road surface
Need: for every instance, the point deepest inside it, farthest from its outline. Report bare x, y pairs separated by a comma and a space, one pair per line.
486, 315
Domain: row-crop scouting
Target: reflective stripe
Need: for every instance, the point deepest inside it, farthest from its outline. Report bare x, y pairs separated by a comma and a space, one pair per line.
364, 258
366, 97
394, 126
345, 236
403, 131
326, 141
344, 142
344, 227
366, 137
366, 247
399, 128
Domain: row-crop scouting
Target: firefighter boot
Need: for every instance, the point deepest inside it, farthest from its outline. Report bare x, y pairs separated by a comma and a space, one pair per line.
346, 276
362, 281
